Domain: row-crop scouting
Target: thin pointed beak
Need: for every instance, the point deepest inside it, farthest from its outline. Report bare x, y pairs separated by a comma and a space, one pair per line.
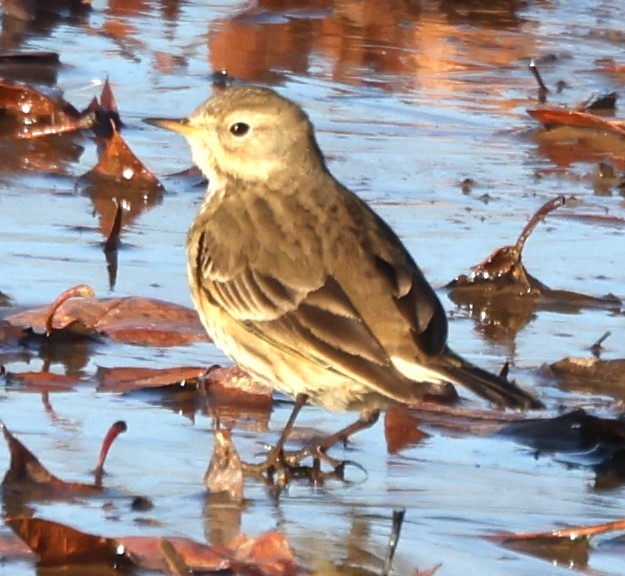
180, 125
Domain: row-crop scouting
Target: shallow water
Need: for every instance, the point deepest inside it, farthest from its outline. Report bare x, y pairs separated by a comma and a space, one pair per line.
409, 99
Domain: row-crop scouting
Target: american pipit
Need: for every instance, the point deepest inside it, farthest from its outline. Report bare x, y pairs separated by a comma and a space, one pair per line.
299, 280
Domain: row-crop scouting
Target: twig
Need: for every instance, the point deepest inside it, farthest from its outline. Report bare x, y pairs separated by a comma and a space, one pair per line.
542, 87
597, 346
398, 520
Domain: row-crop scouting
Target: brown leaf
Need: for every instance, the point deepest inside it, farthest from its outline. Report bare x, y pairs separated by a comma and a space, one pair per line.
550, 117
146, 552
568, 546
591, 375
57, 544
401, 429
232, 391
106, 113
504, 296
269, 552
26, 472
43, 381
127, 379
225, 471
118, 165
131, 319
30, 112
175, 562
151, 322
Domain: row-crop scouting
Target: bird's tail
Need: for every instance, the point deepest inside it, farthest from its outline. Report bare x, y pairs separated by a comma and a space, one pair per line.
489, 386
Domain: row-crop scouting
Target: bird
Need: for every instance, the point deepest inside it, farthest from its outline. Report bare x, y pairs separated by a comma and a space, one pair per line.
299, 280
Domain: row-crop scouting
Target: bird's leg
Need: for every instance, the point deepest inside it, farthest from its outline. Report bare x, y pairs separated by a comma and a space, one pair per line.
275, 458
318, 449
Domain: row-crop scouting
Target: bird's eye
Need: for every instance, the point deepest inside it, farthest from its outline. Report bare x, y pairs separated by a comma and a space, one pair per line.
239, 129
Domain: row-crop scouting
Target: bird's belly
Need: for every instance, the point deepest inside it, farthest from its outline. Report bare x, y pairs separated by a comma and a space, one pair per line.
289, 373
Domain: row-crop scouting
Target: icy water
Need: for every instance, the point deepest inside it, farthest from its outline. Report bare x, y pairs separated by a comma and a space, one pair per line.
409, 99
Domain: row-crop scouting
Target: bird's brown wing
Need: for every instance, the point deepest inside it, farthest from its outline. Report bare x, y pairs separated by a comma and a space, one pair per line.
345, 306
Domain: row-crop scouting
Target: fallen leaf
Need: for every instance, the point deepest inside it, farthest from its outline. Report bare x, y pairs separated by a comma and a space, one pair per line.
42, 381
591, 375
114, 431
119, 165
232, 391
31, 112
146, 552
504, 295
106, 113
568, 546
269, 552
128, 379
225, 471
401, 429
26, 473
550, 117
57, 544
134, 320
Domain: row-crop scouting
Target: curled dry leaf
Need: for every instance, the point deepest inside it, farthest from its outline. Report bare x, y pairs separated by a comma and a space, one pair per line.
26, 473
134, 320
225, 471
504, 295
106, 112
114, 431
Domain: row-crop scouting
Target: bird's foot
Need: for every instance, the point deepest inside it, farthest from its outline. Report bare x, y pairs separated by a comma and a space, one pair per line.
280, 469
283, 466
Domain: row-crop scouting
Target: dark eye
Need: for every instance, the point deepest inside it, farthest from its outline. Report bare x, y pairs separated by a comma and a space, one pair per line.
239, 129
